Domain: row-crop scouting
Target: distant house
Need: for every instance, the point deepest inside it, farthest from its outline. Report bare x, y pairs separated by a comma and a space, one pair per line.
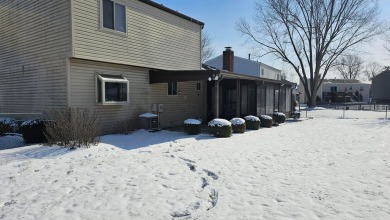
381, 87
339, 90
248, 67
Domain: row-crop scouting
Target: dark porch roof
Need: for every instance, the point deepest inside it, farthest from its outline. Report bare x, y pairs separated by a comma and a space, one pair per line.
164, 76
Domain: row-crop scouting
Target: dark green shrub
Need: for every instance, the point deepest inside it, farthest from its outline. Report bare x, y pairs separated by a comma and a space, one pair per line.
220, 128
252, 122
192, 126
266, 121
279, 117
6, 125
238, 125
33, 131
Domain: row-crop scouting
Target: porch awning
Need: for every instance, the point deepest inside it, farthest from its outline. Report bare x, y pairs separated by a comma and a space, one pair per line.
164, 76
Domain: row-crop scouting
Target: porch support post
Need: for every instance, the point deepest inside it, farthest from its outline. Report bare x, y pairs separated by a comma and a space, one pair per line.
238, 98
217, 99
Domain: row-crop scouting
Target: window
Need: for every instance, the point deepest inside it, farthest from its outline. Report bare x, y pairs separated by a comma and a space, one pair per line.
262, 72
333, 88
172, 88
112, 89
361, 88
198, 86
114, 16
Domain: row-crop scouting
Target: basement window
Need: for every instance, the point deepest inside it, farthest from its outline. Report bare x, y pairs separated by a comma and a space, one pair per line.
112, 89
113, 16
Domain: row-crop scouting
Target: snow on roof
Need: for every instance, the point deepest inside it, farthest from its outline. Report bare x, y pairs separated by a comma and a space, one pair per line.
251, 118
148, 115
237, 121
192, 122
219, 122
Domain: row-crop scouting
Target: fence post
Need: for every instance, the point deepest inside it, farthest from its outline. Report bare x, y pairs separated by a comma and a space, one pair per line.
374, 107
386, 111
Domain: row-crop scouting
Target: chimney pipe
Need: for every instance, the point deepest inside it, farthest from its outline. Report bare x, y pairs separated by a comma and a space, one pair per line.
228, 59
249, 56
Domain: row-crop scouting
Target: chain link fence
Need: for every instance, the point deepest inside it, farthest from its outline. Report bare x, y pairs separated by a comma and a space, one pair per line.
10, 128
349, 110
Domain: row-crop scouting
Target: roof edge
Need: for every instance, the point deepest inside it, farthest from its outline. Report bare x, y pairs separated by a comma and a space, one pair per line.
166, 9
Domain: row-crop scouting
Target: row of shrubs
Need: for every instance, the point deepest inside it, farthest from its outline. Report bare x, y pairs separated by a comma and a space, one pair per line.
71, 127
224, 128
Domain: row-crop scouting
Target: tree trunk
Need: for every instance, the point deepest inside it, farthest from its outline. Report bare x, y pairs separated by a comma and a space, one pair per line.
312, 102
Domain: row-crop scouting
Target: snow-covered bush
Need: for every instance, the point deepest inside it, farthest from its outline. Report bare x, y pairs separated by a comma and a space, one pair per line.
192, 126
279, 117
266, 121
252, 122
220, 128
238, 125
33, 131
72, 127
295, 115
6, 125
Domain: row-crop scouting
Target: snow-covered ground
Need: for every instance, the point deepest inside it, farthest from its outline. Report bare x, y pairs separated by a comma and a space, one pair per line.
319, 168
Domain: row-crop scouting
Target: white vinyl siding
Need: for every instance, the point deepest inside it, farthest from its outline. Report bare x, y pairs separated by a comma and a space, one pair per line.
35, 41
155, 38
188, 104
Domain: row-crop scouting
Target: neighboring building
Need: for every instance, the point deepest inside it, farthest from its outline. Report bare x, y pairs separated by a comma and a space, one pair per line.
381, 87
248, 67
340, 90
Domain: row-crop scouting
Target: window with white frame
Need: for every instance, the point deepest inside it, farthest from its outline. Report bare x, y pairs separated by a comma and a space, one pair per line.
198, 86
333, 88
172, 88
112, 89
113, 16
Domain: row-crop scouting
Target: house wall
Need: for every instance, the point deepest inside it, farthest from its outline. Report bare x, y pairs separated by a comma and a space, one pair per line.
380, 87
269, 72
154, 39
35, 40
189, 104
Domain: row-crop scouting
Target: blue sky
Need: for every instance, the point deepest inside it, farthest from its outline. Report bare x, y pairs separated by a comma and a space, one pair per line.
220, 17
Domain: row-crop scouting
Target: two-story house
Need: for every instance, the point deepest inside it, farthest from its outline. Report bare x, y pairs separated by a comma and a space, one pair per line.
98, 54
248, 67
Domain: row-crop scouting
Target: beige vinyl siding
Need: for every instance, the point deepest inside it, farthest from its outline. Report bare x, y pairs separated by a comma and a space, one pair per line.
35, 41
154, 39
189, 104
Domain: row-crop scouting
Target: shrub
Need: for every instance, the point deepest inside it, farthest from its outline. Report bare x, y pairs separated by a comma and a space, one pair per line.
220, 128
7, 125
279, 117
192, 126
72, 127
238, 125
252, 122
266, 121
33, 131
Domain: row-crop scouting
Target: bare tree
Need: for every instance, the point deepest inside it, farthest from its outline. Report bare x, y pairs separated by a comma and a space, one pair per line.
310, 35
349, 66
207, 48
372, 69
